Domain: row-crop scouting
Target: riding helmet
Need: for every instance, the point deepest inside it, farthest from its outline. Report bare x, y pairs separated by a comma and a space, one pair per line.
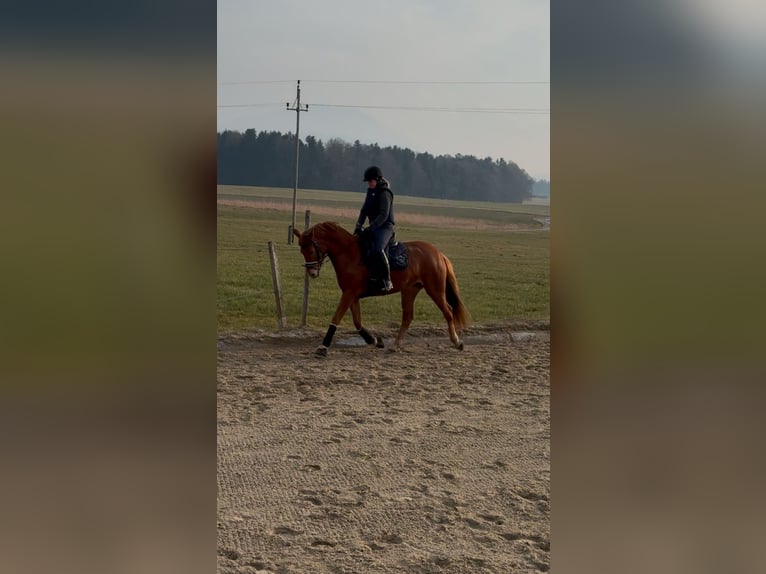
372, 172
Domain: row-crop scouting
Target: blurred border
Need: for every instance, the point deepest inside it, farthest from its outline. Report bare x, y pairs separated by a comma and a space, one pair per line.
107, 336
657, 283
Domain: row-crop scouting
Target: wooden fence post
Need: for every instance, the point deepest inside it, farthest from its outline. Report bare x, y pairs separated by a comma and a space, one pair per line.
305, 307
281, 319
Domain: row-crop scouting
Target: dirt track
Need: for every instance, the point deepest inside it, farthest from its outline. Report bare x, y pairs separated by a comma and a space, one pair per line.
366, 461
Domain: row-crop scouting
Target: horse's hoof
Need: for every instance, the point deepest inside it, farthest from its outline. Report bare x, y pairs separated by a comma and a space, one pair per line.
321, 351
459, 346
379, 343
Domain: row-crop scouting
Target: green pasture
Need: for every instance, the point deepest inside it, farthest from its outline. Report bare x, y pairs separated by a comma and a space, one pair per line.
503, 275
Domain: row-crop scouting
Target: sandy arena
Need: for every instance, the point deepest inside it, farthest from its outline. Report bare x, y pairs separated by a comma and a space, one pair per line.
428, 460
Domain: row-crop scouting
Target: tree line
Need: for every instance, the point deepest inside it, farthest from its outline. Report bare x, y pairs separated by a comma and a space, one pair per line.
267, 158
541, 188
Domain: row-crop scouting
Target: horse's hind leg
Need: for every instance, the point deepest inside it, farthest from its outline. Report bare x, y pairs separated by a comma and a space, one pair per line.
356, 313
408, 311
439, 297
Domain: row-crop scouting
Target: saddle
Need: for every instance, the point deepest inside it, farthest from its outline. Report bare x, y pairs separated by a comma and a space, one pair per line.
396, 252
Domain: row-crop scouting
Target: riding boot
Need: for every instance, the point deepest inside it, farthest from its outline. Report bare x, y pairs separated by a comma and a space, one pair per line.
374, 267
385, 272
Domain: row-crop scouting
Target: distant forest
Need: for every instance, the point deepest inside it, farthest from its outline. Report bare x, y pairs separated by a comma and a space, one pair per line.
541, 188
268, 159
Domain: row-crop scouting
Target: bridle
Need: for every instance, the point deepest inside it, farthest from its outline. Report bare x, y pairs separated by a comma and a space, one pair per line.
318, 263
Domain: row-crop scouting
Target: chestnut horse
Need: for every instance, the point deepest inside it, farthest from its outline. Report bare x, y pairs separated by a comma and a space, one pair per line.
428, 269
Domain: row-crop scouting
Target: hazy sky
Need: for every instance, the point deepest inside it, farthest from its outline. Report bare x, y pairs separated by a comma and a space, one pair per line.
350, 53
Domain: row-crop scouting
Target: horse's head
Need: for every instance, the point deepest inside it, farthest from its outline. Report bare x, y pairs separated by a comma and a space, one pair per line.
323, 240
312, 254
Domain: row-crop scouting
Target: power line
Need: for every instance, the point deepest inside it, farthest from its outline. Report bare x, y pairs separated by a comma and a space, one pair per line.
399, 82
429, 83
444, 109
250, 105
256, 82
522, 111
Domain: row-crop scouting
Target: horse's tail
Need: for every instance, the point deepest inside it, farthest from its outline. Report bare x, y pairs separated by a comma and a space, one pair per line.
459, 311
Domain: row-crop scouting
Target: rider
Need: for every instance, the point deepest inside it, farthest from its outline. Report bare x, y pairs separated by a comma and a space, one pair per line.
379, 209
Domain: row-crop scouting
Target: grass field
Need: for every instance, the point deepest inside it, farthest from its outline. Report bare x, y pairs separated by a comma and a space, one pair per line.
500, 252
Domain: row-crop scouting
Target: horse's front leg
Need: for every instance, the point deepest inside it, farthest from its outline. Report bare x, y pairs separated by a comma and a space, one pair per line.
345, 302
356, 313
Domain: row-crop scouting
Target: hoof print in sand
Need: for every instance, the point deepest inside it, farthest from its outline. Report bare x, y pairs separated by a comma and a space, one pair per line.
287, 531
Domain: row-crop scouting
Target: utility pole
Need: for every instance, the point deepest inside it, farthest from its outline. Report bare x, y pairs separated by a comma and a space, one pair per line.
297, 109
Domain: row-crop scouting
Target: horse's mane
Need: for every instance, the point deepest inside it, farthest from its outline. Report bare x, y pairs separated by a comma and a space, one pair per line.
332, 228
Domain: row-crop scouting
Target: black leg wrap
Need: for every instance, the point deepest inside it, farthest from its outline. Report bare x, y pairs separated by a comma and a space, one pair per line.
369, 339
327, 341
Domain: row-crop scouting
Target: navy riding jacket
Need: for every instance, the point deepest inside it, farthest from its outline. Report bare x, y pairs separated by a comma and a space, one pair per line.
378, 206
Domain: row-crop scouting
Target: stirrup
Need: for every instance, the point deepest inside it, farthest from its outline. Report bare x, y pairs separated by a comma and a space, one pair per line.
387, 285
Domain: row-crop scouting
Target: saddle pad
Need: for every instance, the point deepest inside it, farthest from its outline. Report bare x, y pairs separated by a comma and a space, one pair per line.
397, 256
